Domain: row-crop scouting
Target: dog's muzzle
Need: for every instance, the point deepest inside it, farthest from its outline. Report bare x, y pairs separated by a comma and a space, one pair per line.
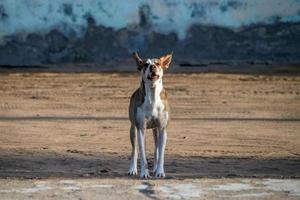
153, 76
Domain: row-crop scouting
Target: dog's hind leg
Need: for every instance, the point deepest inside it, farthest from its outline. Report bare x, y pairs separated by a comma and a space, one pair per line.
155, 138
133, 163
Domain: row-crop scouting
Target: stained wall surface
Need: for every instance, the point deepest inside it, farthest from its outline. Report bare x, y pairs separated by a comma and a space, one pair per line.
60, 31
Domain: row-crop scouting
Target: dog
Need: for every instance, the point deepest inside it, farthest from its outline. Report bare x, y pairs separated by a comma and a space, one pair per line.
149, 109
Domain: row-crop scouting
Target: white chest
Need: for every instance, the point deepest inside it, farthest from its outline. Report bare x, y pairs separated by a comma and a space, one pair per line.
153, 106
152, 109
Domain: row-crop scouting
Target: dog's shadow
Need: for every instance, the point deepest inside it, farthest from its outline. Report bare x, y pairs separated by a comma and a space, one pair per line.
43, 164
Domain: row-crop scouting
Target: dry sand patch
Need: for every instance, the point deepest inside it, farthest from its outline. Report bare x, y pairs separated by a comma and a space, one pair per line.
76, 125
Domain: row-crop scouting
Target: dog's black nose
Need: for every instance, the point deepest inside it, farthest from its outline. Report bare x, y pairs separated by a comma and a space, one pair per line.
151, 68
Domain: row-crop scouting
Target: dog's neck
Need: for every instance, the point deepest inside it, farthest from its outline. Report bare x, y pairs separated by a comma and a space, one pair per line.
152, 91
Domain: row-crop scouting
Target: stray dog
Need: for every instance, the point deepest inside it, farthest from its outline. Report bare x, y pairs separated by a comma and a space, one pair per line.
149, 109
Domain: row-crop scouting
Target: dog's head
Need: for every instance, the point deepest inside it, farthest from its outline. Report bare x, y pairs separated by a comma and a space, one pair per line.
152, 70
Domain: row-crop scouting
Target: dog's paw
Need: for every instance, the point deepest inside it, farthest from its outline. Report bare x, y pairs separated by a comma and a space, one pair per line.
132, 171
145, 174
160, 173
154, 169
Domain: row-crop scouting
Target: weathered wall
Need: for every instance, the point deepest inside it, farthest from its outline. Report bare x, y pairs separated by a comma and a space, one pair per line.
38, 31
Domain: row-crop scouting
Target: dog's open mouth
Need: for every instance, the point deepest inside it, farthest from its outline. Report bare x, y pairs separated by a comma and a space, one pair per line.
153, 77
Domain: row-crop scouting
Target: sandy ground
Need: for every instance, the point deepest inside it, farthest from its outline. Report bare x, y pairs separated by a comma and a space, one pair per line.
225, 128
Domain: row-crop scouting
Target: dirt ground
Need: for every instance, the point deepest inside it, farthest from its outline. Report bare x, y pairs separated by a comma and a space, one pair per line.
76, 125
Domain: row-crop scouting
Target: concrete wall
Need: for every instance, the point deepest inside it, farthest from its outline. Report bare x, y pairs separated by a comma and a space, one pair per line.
39, 31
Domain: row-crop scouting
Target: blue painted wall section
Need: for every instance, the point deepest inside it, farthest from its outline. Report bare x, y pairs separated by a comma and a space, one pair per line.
39, 31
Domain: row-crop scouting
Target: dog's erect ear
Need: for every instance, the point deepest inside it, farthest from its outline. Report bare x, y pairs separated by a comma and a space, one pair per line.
166, 60
138, 60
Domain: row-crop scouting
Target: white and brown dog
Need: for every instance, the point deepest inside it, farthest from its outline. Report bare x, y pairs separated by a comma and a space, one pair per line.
149, 109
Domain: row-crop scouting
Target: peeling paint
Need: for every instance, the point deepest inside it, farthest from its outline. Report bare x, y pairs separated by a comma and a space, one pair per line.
233, 187
238, 188
22, 16
247, 195
98, 186
37, 188
292, 187
180, 191
67, 181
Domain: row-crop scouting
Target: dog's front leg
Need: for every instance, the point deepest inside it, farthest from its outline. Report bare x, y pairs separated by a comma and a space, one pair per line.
155, 138
160, 172
144, 165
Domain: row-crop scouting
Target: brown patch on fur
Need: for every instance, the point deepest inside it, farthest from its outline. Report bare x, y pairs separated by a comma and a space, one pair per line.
164, 99
136, 100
